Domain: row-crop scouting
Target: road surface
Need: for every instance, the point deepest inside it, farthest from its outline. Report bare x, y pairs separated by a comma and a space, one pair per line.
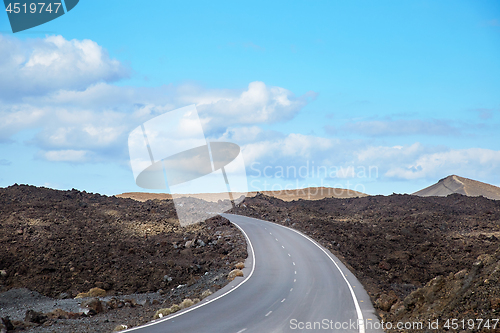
291, 284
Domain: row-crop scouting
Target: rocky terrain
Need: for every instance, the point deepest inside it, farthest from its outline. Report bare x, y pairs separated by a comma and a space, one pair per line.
420, 258
64, 243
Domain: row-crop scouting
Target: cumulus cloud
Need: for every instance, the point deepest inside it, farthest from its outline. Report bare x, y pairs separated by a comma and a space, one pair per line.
257, 105
18, 117
472, 162
39, 66
69, 155
346, 157
99, 118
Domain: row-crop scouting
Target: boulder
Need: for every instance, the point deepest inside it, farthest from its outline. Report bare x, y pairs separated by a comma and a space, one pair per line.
6, 324
385, 301
58, 314
35, 317
94, 306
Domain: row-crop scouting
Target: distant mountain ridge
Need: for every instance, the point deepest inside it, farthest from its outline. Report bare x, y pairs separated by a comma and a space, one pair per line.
456, 184
310, 193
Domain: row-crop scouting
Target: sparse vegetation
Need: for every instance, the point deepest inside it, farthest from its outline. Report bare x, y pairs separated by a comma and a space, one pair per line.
174, 308
162, 313
206, 293
186, 303
234, 273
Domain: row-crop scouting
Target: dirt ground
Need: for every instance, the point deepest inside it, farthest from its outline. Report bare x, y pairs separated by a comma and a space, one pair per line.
61, 243
419, 258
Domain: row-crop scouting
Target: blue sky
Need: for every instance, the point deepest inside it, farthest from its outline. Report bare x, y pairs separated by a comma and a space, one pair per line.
411, 88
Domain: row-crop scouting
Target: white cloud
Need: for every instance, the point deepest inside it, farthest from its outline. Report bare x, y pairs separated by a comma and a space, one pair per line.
409, 162
17, 118
257, 105
75, 156
296, 149
99, 118
38, 66
472, 163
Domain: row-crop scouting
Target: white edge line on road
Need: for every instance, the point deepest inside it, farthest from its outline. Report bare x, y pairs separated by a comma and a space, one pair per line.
199, 305
355, 299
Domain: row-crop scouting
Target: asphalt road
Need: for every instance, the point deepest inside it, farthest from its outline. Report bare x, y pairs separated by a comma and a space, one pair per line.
291, 284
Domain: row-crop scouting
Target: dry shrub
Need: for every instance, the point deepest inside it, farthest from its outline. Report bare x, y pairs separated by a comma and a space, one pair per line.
196, 300
206, 293
234, 273
240, 265
82, 295
120, 328
186, 303
174, 308
97, 292
163, 312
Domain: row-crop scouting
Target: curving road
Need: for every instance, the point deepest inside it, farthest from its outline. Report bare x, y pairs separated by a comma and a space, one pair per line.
291, 284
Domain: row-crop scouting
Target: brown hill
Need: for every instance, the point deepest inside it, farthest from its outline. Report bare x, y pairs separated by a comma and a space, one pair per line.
455, 184
310, 193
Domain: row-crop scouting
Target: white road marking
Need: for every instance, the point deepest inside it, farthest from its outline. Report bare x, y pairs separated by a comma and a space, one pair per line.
199, 305
276, 239
282, 246
353, 295
283, 300
241, 331
268, 313
295, 272
294, 280
289, 255
291, 288
293, 263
